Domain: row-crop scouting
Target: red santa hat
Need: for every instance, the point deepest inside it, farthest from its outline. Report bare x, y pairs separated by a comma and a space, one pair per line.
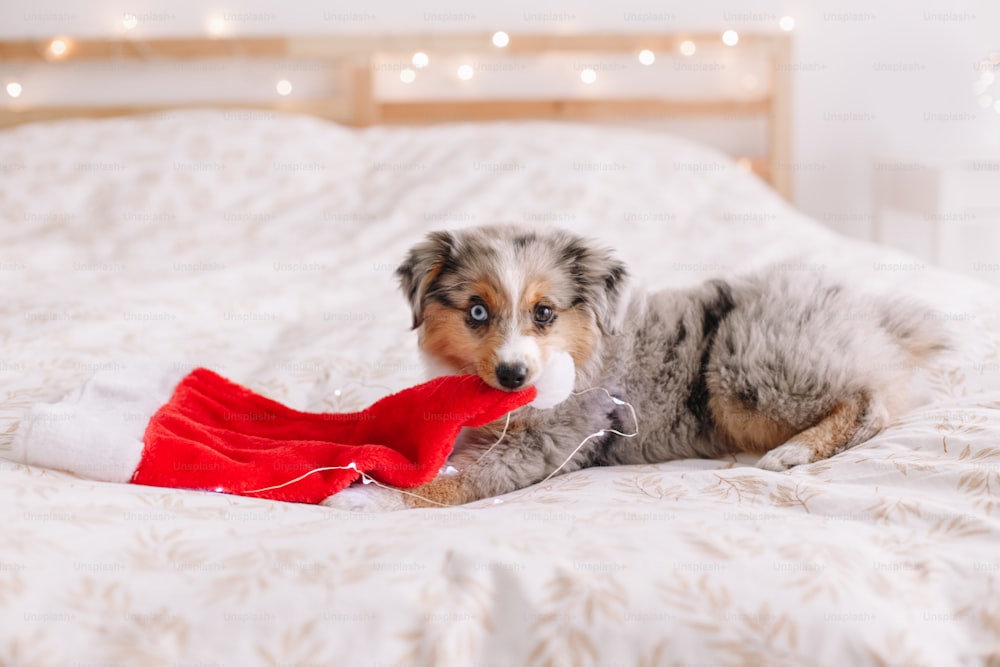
211, 434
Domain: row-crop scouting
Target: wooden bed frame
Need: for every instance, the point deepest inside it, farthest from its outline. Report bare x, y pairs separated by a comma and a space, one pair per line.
359, 105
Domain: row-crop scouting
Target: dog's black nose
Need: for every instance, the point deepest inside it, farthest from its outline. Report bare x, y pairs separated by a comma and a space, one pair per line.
512, 376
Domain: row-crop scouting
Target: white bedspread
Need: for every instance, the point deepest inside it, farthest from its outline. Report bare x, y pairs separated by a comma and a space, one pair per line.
263, 247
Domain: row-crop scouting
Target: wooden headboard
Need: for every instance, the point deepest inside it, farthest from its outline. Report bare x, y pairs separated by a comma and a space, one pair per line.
358, 62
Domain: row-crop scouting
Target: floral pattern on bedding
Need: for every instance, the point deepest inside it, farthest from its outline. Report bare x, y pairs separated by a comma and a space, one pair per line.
263, 247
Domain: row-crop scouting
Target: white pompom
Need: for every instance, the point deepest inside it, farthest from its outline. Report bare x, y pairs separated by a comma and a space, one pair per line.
556, 383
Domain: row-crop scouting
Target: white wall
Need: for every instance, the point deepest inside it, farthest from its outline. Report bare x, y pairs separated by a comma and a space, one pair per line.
876, 82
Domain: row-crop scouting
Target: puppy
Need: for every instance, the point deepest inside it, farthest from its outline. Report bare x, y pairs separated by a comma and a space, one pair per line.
792, 367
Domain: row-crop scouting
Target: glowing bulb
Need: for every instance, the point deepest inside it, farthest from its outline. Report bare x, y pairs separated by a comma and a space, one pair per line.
647, 57
986, 101
465, 72
588, 76
284, 87
787, 23
730, 37
501, 39
688, 48
407, 75
216, 26
983, 83
14, 89
130, 21
57, 47
420, 60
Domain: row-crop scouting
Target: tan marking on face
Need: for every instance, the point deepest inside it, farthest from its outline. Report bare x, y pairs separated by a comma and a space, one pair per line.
573, 331
746, 430
446, 337
534, 293
495, 300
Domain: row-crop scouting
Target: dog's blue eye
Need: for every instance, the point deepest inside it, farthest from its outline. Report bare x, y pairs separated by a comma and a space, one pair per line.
479, 313
543, 314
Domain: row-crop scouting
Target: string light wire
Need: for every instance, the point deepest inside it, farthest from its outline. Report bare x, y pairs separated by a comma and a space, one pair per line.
365, 479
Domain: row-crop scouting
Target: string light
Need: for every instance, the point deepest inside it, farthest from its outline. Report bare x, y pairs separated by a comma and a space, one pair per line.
602, 432
506, 425
216, 26
58, 47
987, 76
350, 466
450, 470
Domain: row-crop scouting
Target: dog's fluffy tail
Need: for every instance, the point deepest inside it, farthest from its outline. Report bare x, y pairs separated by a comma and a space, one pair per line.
920, 331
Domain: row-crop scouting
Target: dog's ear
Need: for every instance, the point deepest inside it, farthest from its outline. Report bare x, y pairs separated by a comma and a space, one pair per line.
602, 282
421, 267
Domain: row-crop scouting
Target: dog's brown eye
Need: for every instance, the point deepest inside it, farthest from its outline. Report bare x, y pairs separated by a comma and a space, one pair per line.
543, 314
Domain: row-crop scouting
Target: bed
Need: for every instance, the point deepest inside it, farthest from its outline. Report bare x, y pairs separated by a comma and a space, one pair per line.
263, 247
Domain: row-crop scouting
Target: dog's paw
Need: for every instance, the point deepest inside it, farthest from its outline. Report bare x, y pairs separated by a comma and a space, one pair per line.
366, 498
786, 456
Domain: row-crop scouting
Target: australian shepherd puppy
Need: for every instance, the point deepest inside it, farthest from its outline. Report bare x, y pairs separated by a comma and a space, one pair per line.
792, 367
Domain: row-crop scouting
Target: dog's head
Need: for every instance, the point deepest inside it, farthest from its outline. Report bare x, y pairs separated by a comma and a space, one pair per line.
499, 300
